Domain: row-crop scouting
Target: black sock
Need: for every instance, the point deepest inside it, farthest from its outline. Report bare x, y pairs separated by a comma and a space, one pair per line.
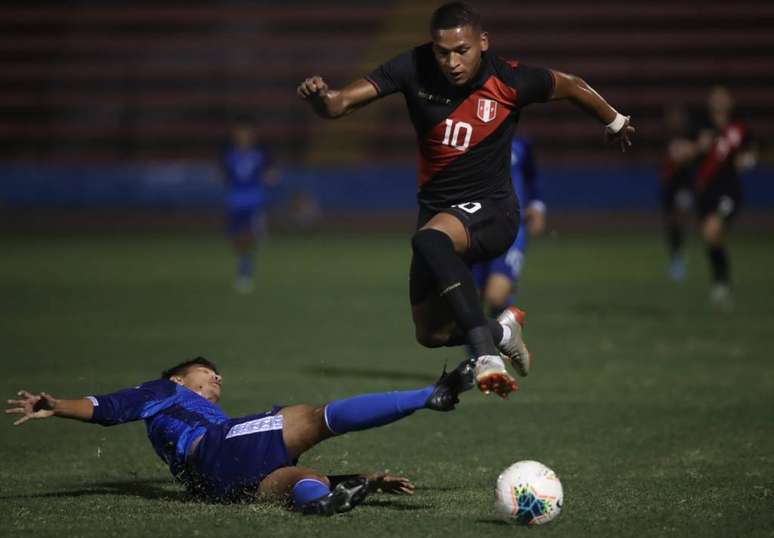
675, 239
458, 336
719, 264
455, 283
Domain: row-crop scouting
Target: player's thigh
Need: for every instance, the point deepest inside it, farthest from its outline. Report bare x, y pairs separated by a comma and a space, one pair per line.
451, 225
498, 290
712, 228
277, 485
492, 226
304, 426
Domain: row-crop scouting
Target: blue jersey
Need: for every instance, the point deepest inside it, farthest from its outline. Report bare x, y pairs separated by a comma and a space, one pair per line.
244, 172
524, 172
174, 416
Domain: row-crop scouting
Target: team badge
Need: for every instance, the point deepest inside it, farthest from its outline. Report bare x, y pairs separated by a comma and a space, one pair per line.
487, 110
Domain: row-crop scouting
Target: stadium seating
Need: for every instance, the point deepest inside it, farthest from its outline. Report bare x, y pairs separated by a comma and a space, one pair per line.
160, 80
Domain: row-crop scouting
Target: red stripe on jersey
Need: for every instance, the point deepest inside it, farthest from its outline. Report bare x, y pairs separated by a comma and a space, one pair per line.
478, 116
724, 147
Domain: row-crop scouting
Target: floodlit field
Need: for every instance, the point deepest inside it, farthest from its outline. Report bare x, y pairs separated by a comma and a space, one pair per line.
656, 410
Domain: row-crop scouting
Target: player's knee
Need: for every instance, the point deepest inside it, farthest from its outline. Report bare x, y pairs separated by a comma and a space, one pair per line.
428, 337
428, 241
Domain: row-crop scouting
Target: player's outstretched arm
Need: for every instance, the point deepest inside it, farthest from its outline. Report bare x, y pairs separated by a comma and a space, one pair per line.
383, 482
44, 405
332, 104
618, 128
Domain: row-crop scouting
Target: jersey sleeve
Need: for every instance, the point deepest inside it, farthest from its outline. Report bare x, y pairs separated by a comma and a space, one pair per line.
532, 84
391, 76
138, 403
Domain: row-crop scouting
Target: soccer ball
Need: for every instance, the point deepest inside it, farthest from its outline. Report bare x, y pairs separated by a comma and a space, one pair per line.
529, 493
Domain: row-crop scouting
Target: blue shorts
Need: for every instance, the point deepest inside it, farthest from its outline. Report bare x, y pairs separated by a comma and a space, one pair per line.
232, 458
243, 219
508, 264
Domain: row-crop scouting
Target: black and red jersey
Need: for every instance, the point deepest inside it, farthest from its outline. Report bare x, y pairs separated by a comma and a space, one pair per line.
719, 163
464, 133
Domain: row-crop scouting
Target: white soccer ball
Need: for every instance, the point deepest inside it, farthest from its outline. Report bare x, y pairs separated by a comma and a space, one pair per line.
529, 493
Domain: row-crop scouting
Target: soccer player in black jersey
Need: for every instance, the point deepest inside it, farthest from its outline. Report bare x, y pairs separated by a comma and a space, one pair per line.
464, 102
725, 149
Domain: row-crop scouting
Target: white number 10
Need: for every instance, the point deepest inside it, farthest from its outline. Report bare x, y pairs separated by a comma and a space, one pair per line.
453, 138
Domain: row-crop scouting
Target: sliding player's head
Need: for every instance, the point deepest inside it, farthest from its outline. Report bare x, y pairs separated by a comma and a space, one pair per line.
458, 41
199, 375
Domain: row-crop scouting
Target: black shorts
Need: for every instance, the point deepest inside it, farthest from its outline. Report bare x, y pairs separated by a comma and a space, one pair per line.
492, 225
723, 199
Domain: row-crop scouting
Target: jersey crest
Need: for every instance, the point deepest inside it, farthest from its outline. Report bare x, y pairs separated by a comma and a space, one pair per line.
486, 110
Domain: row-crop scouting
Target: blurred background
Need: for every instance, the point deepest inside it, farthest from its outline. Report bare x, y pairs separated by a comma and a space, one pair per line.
117, 112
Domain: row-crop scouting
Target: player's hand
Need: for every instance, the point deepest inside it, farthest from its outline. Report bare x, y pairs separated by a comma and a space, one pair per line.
312, 87
536, 220
622, 138
387, 483
31, 406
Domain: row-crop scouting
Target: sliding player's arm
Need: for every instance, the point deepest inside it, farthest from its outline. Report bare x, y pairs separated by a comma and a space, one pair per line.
109, 409
382, 482
332, 104
43, 405
618, 128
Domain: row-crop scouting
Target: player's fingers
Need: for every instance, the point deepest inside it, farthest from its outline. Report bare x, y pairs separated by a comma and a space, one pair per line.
22, 420
15, 410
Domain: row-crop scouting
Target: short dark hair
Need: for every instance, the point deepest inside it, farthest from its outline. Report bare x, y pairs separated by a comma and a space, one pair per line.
455, 15
183, 367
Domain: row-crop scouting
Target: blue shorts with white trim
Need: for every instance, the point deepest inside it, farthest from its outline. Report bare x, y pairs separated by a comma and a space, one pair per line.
232, 458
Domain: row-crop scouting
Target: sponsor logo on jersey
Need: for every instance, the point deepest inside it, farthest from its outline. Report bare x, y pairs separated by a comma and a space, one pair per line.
486, 110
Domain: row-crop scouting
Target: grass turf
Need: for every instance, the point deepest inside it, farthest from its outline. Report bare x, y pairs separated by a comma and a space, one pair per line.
655, 409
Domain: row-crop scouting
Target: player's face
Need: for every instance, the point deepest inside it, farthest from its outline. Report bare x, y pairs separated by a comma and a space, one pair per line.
458, 52
720, 104
202, 381
243, 137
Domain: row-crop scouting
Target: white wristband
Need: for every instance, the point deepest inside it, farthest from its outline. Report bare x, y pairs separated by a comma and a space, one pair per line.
537, 205
617, 124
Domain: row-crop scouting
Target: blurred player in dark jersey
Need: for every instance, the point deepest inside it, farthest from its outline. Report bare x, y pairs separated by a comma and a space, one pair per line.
724, 149
251, 458
498, 278
247, 173
677, 189
464, 102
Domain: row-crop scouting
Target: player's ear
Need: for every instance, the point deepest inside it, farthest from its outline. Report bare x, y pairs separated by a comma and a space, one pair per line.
484, 41
176, 379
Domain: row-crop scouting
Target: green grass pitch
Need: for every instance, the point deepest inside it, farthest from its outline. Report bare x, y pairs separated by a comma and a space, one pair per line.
656, 410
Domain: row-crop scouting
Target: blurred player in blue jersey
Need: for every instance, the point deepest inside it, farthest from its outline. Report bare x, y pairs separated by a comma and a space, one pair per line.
252, 458
247, 172
677, 193
497, 278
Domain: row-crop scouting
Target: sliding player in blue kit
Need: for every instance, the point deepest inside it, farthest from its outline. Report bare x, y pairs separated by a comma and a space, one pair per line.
498, 278
252, 458
464, 102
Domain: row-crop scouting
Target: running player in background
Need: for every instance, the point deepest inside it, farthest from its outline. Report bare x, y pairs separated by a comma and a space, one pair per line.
677, 189
725, 149
252, 458
498, 278
247, 171
464, 102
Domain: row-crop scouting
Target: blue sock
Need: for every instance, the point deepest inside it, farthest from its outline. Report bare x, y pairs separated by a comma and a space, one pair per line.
246, 265
308, 489
373, 410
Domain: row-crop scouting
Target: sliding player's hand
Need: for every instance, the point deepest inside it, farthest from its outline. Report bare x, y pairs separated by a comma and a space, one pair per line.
622, 138
312, 87
387, 483
31, 406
